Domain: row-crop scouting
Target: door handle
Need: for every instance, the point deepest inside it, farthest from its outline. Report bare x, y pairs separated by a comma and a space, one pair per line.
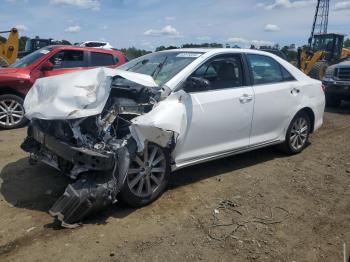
245, 98
295, 91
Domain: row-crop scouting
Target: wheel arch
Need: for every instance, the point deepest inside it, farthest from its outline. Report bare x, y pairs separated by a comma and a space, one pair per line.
4, 90
310, 113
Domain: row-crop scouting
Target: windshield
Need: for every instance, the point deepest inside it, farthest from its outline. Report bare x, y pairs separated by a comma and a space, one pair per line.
31, 58
161, 66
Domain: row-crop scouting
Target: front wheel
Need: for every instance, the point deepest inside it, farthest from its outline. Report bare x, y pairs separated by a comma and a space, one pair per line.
297, 134
147, 176
11, 112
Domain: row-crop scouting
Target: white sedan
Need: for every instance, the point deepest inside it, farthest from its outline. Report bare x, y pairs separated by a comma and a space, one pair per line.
165, 111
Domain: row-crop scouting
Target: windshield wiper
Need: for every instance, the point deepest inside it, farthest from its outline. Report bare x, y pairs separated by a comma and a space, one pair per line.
158, 68
143, 62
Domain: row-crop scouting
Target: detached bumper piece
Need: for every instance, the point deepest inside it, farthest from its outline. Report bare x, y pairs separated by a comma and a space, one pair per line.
92, 192
86, 196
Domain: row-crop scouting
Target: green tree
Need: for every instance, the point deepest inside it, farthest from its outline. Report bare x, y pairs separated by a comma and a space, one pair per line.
213, 45
291, 54
161, 48
22, 42
2, 39
133, 52
61, 42
347, 43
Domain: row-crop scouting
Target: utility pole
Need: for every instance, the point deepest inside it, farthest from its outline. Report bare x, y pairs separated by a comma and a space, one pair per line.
320, 24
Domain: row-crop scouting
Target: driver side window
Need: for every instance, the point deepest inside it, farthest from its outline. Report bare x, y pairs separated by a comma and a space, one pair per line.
68, 59
224, 71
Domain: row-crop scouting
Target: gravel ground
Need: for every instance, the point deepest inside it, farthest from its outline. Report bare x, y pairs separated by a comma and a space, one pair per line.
258, 206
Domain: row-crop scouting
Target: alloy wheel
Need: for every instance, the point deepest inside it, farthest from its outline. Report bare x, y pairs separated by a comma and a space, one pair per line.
11, 112
299, 133
147, 171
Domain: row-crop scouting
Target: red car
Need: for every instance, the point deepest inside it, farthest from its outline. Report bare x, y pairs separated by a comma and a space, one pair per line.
17, 79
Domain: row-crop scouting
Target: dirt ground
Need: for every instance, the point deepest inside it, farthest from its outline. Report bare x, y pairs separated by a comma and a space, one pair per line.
259, 206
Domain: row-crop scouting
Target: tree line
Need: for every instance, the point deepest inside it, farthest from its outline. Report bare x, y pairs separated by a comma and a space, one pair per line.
133, 52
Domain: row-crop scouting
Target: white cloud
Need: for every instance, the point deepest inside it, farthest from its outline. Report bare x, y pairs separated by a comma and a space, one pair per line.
271, 28
104, 27
247, 43
168, 30
21, 27
279, 4
343, 5
87, 4
73, 29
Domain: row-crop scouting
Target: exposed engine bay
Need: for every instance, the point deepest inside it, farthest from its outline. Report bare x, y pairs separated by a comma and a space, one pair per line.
97, 149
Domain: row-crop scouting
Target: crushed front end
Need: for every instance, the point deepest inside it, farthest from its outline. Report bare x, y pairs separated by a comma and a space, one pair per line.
96, 150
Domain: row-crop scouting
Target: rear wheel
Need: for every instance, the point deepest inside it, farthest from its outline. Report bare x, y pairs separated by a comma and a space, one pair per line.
147, 176
297, 134
11, 112
319, 70
332, 101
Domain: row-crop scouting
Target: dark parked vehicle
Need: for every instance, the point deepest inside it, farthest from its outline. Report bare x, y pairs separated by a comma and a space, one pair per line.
34, 44
18, 78
337, 83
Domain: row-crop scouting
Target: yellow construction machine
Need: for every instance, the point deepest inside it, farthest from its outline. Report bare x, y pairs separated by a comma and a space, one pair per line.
323, 48
9, 49
326, 49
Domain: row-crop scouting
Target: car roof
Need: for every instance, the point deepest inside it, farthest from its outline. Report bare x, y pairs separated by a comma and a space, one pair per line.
83, 48
218, 50
214, 50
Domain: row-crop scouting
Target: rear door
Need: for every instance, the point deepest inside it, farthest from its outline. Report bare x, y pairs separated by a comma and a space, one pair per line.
98, 59
277, 96
67, 61
220, 116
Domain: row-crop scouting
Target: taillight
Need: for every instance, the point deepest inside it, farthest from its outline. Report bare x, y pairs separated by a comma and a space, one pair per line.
323, 88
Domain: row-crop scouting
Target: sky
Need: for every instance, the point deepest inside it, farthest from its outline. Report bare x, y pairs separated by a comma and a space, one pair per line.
147, 24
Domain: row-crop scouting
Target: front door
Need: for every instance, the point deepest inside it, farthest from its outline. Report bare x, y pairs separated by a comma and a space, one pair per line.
67, 61
221, 114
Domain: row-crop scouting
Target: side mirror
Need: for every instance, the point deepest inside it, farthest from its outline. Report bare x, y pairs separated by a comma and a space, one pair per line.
196, 84
47, 66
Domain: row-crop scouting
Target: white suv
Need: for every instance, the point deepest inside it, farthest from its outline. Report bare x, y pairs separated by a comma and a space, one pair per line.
166, 111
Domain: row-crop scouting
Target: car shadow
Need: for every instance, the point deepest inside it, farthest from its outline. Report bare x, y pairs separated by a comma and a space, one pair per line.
344, 108
37, 187
221, 166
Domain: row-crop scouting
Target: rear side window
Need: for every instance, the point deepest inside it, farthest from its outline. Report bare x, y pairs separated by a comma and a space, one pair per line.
286, 75
68, 59
101, 59
266, 70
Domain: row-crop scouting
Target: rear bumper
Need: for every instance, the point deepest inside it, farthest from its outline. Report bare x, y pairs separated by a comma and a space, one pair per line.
88, 158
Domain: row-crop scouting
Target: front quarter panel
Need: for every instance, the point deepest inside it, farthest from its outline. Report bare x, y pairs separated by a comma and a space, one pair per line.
20, 82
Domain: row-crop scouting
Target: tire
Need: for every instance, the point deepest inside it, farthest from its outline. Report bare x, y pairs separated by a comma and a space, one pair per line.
332, 101
297, 134
3, 62
137, 191
319, 70
11, 112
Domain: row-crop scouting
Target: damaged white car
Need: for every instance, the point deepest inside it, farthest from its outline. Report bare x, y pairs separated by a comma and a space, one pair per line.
120, 132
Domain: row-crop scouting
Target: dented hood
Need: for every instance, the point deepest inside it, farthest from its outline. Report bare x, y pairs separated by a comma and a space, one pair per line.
76, 95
